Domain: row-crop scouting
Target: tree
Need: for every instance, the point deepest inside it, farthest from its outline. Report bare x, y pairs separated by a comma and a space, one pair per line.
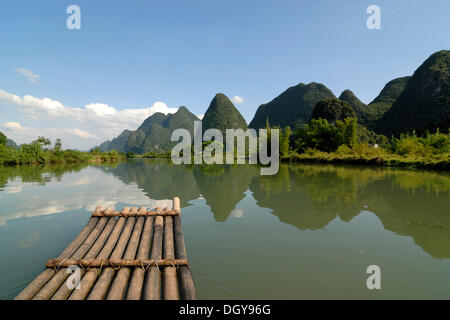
3, 139
43, 141
58, 145
333, 110
321, 135
285, 141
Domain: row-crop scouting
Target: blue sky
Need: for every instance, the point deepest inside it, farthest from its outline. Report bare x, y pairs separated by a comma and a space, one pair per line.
133, 55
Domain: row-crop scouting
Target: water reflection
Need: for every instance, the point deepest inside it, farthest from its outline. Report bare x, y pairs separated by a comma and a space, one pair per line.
65, 190
224, 187
399, 198
331, 215
309, 197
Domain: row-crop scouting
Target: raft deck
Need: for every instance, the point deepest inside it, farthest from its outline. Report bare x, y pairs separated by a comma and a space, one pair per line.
134, 254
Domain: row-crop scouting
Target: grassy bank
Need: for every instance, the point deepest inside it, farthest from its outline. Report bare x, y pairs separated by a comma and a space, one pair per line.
441, 161
324, 142
431, 151
39, 152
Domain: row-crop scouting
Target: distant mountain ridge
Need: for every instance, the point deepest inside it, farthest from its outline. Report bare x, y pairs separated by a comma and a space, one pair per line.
368, 114
153, 135
222, 114
425, 100
417, 102
11, 143
293, 107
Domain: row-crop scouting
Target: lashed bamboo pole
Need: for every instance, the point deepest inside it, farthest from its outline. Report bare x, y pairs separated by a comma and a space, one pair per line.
101, 287
187, 285
170, 273
137, 278
91, 275
61, 275
64, 291
152, 285
120, 282
117, 263
30, 291
136, 214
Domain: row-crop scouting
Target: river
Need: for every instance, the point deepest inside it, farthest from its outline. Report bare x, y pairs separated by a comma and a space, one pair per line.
310, 232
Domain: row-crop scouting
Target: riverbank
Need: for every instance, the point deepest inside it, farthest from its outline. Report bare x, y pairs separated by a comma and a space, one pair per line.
437, 161
34, 154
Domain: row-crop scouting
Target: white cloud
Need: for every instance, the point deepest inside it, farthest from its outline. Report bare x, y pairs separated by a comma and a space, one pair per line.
200, 116
80, 133
99, 113
30, 75
96, 122
237, 100
14, 126
101, 109
74, 194
22, 134
13, 189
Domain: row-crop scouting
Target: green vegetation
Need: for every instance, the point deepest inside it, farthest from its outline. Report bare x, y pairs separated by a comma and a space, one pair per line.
425, 101
148, 155
333, 110
293, 107
222, 115
384, 101
333, 136
39, 153
357, 105
324, 136
323, 142
368, 114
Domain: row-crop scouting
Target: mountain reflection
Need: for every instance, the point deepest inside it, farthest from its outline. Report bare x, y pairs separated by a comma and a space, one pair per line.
159, 179
224, 186
309, 197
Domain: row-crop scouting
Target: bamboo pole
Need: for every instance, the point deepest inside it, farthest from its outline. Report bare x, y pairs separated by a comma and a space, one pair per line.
101, 287
137, 278
152, 285
30, 291
61, 275
88, 280
120, 282
117, 263
187, 285
64, 291
136, 214
170, 272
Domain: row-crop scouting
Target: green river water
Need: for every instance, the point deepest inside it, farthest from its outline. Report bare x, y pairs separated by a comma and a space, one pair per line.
310, 232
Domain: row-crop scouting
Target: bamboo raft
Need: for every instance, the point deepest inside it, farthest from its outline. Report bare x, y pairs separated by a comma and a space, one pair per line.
134, 254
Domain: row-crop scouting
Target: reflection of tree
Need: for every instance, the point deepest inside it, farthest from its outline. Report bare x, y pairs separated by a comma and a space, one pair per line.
302, 198
310, 196
159, 179
224, 186
404, 204
39, 174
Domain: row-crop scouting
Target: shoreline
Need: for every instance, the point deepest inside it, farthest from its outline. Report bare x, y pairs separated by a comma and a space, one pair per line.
440, 163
